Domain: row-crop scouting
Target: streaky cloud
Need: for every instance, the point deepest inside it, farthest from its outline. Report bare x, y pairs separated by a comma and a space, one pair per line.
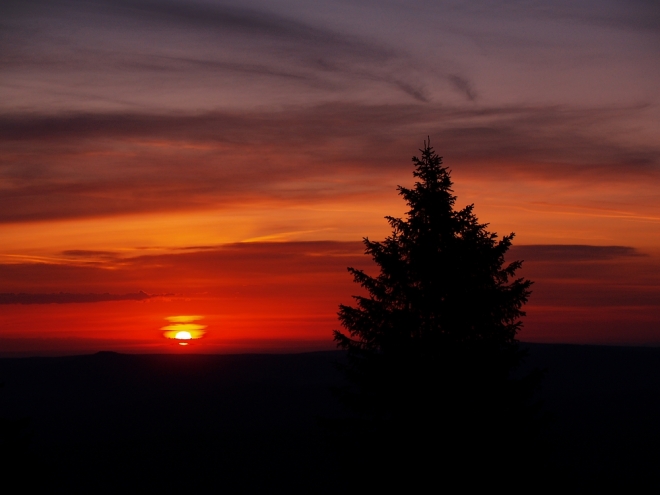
86, 253
68, 298
571, 252
416, 92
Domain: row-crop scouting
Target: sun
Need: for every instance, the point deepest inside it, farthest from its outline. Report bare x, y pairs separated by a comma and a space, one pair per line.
182, 329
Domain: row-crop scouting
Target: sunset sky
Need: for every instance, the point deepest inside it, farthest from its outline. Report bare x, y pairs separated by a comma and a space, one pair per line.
224, 160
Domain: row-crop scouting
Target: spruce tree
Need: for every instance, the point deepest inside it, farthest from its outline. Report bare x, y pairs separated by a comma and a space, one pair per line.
432, 346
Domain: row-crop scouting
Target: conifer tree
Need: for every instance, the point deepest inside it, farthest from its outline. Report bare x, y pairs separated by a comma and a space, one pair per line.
432, 346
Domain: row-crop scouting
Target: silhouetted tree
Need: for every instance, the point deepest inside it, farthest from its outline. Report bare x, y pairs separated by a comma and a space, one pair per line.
432, 348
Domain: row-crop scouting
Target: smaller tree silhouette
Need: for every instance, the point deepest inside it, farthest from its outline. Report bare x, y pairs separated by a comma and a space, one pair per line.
432, 346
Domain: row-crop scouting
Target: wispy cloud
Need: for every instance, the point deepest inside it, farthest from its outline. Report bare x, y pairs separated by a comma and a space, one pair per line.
199, 45
463, 86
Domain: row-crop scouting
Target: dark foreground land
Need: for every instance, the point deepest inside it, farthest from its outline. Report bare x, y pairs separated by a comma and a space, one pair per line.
110, 423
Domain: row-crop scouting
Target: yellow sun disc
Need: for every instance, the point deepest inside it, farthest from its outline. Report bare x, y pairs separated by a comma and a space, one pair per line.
183, 336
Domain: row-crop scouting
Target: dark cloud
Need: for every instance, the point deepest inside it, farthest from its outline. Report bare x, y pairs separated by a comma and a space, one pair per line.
258, 259
196, 248
182, 64
570, 253
66, 298
82, 253
618, 280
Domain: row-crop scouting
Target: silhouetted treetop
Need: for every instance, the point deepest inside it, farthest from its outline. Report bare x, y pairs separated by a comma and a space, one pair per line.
442, 314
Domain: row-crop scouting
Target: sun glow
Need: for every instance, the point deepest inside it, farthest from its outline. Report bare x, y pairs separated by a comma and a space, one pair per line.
183, 329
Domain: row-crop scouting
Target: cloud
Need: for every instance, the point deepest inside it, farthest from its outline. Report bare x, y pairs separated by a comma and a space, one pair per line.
67, 298
616, 279
181, 64
83, 253
463, 86
571, 253
257, 260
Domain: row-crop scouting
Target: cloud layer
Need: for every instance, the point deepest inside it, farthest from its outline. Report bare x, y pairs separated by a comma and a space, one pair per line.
292, 291
80, 165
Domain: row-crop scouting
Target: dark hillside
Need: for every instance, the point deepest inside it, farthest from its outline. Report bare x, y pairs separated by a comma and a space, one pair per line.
604, 403
247, 423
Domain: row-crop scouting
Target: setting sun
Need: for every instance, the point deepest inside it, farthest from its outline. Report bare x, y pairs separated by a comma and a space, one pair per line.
181, 327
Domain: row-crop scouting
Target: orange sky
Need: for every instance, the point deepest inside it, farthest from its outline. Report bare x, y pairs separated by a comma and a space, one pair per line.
227, 160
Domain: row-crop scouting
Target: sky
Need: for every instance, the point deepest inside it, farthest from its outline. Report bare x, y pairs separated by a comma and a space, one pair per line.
224, 161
